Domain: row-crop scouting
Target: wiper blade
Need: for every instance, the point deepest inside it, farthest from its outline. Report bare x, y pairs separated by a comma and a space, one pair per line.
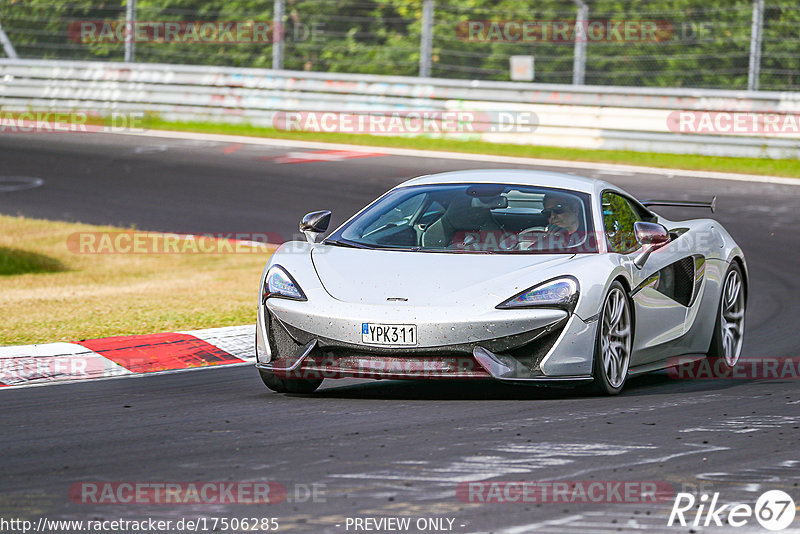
346, 244
454, 251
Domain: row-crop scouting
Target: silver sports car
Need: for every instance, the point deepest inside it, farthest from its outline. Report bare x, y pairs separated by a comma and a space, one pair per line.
520, 276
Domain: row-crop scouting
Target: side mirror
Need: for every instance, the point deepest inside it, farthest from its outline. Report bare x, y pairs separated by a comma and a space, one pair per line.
651, 236
314, 224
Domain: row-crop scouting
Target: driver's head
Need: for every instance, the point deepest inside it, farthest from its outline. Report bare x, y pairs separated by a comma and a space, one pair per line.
562, 211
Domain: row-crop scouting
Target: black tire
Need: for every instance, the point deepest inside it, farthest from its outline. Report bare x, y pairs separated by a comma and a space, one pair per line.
611, 382
730, 308
283, 385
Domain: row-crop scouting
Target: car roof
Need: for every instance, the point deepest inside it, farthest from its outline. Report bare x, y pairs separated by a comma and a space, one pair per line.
514, 176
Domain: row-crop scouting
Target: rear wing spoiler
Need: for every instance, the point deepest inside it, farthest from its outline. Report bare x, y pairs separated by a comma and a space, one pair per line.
712, 205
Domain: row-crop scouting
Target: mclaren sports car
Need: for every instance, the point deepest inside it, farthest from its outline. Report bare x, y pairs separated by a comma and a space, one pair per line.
512, 275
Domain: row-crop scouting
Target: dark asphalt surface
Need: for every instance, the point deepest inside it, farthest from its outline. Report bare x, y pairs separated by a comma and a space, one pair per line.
384, 449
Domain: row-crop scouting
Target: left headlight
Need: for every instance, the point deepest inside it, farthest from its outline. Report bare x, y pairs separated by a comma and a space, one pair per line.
280, 283
559, 292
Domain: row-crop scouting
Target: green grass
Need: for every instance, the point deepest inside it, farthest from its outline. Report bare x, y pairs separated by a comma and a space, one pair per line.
51, 291
17, 261
773, 167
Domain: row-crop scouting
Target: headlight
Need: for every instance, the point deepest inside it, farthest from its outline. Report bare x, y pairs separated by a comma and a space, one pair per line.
557, 293
279, 283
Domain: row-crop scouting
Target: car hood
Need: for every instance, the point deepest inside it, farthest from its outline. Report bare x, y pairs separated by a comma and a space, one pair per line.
428, 278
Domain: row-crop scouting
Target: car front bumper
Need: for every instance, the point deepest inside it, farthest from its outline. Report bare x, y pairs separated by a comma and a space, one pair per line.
513, 345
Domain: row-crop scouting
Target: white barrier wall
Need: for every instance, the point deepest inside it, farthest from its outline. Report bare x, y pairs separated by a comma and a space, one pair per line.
600, 117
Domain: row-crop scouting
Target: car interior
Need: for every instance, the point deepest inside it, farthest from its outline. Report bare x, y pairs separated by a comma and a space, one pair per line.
484, 217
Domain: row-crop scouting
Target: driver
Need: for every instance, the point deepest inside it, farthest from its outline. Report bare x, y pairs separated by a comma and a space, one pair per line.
564, 227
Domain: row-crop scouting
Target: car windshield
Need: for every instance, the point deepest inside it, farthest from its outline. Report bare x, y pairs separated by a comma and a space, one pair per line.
477, 218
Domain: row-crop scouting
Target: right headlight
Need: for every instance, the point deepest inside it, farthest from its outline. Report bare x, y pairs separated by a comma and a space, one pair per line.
559, 292
280, 283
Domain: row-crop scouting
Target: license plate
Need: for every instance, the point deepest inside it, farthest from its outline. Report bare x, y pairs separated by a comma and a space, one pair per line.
389, 334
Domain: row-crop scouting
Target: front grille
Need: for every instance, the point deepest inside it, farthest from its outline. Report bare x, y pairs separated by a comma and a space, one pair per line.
532, 354
338, 358
343, 362
280, 341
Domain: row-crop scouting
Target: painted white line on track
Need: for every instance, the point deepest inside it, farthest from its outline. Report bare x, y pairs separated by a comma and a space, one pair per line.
486, 158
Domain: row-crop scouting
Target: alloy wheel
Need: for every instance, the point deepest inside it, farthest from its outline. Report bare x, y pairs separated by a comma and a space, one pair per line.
615, 337
732, 317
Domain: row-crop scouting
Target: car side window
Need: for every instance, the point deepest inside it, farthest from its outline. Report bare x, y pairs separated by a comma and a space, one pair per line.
400, 215
433, 212
619, 217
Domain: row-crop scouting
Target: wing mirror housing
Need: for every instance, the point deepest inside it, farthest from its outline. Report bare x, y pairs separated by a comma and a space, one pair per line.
651, 236
314, 224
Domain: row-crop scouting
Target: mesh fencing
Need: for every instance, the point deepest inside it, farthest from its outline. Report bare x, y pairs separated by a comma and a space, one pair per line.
659, 43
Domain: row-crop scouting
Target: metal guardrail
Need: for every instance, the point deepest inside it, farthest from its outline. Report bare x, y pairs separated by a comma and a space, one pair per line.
616, 118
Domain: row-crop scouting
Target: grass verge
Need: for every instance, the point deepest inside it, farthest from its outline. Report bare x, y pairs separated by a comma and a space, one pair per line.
773, 167
17, 261
82, 296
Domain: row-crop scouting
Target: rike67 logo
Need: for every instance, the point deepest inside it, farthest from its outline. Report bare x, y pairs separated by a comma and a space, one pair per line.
774, 510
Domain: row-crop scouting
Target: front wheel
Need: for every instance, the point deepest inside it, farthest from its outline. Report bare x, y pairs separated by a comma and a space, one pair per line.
283, 385
614, 342
726, 343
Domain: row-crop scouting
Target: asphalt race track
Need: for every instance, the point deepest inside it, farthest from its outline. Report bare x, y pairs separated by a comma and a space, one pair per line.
390, 448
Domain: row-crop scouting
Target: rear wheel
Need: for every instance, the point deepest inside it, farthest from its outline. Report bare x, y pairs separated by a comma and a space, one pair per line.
726, 343
614, 341
284, 385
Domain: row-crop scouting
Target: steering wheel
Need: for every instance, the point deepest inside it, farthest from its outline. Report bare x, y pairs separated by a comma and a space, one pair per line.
529, 237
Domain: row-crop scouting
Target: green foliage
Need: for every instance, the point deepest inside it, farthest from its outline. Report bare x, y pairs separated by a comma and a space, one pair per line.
701, 43
40, 28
